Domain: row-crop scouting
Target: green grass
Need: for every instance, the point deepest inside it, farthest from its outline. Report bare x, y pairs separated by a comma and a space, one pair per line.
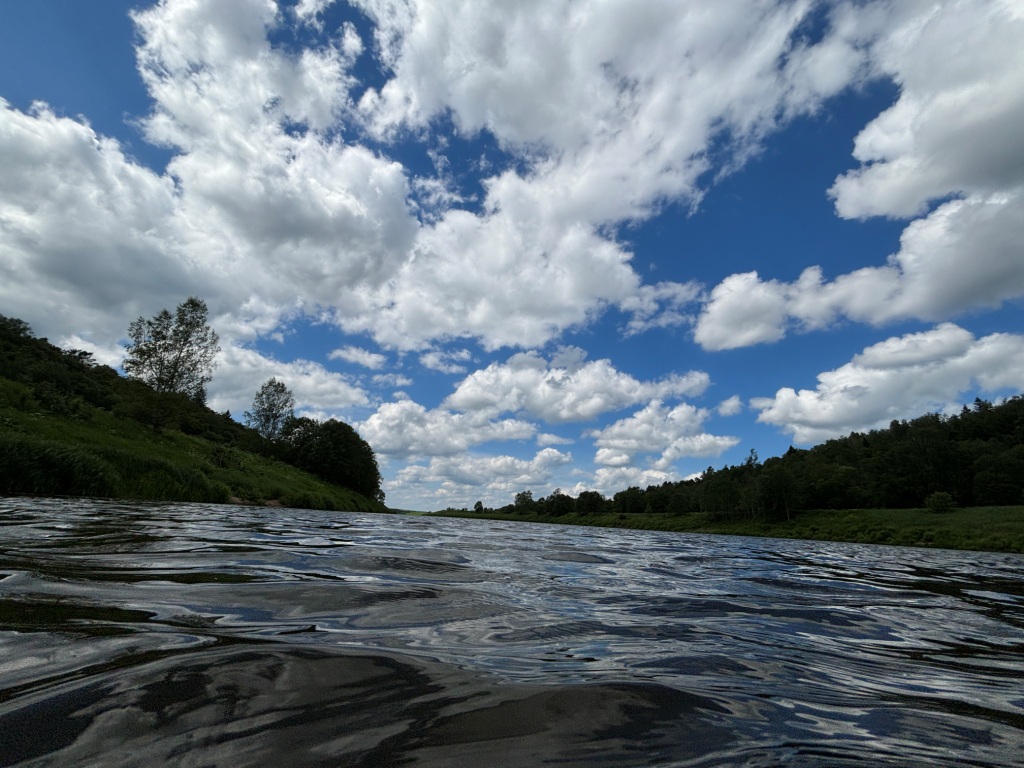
993, 529
99, 454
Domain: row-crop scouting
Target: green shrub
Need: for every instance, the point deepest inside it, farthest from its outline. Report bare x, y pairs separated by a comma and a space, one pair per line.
940, 501
43, 467
16, 395
219, 493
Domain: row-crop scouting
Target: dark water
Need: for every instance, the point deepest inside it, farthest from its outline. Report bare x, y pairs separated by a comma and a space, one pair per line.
192, 635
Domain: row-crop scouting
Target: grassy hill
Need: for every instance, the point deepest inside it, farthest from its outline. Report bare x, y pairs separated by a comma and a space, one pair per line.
71, 427
46, 455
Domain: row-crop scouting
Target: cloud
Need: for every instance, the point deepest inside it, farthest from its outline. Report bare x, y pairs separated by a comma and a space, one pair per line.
269, 192
261, 203
610, 480
659, 306
578, 82
563, 390
668, 433
280, 190
307, 11
964, 255
319, 392
730, 407
461, 481
952, 133
953, 129
446, 361
405, 428
898, 378
359, 356
83, 229
263, 210
508, 279
743, 310
392, 380
608, 111
545, 439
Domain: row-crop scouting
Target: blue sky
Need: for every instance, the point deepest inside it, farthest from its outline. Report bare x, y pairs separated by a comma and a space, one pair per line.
533, 245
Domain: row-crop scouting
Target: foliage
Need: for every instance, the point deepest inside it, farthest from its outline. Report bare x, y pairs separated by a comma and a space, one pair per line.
524, 500
71, 427
870, 487
49, 468
940, 501
975, 458
993, 529
173, 353
589, 503
333, 451
272, 407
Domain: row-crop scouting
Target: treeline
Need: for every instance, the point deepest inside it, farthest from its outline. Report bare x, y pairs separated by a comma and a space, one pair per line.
972, 459
37, 377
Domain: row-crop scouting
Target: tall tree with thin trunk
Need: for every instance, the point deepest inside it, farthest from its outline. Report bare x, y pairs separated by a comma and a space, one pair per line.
173, 353
271, 408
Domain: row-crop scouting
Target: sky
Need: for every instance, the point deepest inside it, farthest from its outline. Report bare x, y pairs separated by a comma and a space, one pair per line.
549, 244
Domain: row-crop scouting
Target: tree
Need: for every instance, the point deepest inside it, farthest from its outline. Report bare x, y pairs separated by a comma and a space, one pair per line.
15, 328
629, 502
173, 353
559, 504
271, 408
524, 501
589, 503
940, 501
333, 451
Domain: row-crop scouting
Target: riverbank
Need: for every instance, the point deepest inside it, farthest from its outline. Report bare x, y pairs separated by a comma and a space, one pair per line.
111, 457
984, 529
72, 427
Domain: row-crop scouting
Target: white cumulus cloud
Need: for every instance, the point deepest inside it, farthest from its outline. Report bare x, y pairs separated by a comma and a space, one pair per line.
901, 377
663, 434
460, 482
954, 132
730, 406
359, 356
564, 389
241, 371
405, 428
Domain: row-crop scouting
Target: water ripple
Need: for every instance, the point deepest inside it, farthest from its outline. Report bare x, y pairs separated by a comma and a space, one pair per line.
143, 634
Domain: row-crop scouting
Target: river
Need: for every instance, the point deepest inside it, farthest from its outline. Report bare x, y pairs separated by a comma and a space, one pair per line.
143, 634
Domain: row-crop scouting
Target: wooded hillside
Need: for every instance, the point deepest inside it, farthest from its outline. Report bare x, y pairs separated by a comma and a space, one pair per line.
69, 426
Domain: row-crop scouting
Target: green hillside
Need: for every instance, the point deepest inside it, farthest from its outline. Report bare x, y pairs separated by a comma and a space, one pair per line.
71, 427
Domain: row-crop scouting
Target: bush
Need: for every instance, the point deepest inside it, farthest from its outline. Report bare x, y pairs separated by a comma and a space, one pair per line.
219, 493
47, 468
157, 479
15, 395
940, 501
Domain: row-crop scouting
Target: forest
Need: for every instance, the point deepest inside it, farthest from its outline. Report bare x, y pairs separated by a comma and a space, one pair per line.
971, 459
70, 426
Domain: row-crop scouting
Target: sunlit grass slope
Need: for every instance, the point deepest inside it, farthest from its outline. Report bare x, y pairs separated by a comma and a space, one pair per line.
100, 454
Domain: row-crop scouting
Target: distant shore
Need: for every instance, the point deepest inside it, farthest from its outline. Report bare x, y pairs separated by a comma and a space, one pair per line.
985, 529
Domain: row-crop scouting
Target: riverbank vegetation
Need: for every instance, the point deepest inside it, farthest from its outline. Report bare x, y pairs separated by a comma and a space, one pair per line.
991, 529
69, 426
949, 481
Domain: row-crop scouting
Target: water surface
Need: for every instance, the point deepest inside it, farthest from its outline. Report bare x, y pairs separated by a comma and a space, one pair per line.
135, 634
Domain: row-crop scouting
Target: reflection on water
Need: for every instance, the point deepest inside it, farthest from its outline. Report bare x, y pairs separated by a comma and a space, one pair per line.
156, 634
